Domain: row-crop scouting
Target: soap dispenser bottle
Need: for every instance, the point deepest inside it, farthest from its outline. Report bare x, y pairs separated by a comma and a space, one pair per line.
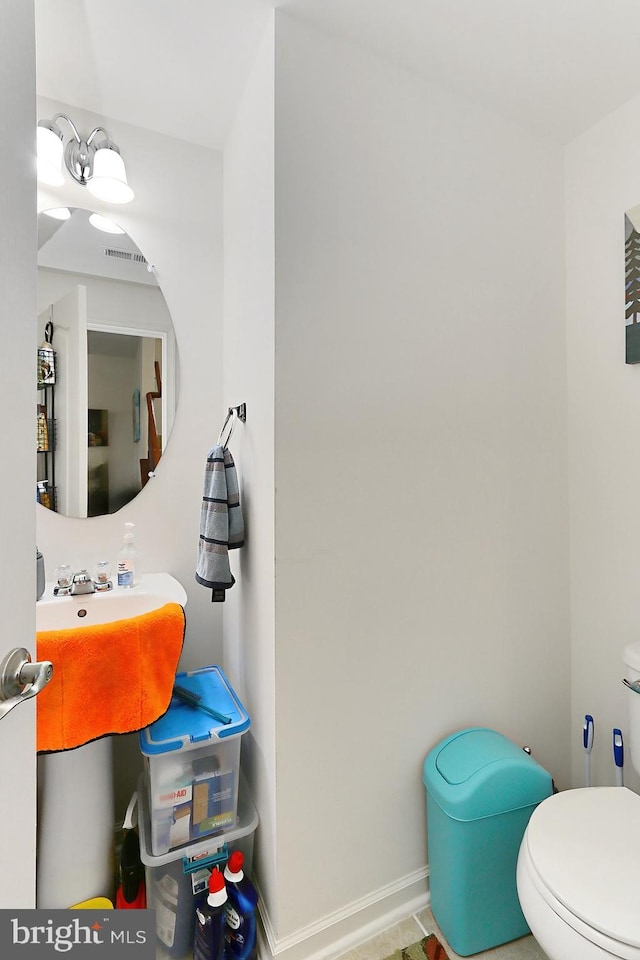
127, 557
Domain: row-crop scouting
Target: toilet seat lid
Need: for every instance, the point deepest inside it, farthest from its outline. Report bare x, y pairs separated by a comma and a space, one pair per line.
582, 844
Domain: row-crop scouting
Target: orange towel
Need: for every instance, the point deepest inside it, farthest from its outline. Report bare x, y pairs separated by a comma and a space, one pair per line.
109, 678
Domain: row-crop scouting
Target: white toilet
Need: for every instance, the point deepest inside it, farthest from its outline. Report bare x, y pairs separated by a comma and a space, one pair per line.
578, 873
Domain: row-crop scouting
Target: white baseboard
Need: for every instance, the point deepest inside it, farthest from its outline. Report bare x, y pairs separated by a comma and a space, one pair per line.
338, 932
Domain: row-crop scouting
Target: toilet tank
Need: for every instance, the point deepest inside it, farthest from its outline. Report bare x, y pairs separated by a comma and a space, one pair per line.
631, 657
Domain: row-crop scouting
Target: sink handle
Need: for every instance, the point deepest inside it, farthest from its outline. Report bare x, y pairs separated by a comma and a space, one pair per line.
20, 679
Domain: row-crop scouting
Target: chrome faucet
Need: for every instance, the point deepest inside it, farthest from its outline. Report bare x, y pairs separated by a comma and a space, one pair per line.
81, 584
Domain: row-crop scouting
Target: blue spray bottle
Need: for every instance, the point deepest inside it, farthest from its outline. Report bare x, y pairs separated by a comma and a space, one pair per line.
209, 933
240, 927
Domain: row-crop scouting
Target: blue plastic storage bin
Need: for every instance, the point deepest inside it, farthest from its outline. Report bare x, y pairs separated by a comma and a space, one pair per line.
192, 762
481, 791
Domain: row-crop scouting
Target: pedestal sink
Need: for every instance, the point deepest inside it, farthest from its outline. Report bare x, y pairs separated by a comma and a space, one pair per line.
75, 787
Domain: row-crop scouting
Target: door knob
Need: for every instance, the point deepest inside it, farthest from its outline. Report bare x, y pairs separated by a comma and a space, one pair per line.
20, 679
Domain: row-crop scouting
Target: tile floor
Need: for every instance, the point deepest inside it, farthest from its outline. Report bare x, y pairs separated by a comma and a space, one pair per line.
408, 931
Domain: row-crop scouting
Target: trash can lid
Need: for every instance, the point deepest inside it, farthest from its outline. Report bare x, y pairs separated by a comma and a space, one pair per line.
462, 757
479, 773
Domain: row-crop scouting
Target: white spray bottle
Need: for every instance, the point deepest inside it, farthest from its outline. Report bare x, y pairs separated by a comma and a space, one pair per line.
127, 557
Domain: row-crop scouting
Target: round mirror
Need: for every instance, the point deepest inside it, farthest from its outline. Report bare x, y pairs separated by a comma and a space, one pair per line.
107, 365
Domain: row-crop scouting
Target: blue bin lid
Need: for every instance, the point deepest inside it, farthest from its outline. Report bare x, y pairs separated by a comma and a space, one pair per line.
186, 727
479, 773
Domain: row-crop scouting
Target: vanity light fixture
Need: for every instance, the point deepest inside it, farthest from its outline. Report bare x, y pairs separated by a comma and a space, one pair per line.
93, 162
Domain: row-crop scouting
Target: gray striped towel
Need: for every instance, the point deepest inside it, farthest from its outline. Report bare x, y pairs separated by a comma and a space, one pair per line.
221, 523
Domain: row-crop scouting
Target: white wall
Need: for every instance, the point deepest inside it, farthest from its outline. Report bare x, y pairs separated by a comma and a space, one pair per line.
421, 493
249, 622
602, 182
176, 221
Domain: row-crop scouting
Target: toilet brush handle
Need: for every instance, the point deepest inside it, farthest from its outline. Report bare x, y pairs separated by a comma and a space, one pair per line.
618, 755
587, 743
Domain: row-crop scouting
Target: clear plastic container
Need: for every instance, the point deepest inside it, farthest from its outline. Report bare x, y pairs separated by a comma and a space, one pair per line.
176, 882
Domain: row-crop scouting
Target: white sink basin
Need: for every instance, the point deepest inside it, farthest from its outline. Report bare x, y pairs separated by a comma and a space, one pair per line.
152, 590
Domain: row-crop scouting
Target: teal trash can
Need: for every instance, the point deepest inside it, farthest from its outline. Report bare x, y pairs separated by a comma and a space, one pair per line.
481, 791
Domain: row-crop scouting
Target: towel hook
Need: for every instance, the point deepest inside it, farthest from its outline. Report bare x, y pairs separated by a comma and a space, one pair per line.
234, 414
221, 434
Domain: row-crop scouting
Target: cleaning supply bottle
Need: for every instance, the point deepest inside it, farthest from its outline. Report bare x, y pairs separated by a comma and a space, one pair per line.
131, 892
240, 925
127, 557
209, 933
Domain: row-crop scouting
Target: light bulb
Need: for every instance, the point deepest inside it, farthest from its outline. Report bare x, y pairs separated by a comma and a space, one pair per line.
58, 213
49, 162
103, 223
109, 179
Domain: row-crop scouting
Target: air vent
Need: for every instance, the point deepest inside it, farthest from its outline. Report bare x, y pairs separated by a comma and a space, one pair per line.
124, 255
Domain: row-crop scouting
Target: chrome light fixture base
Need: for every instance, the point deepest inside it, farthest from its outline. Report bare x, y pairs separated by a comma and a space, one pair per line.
82, 157
78, 159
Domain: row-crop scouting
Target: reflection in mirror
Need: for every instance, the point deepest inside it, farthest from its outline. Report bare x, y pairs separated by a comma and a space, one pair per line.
105, 415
